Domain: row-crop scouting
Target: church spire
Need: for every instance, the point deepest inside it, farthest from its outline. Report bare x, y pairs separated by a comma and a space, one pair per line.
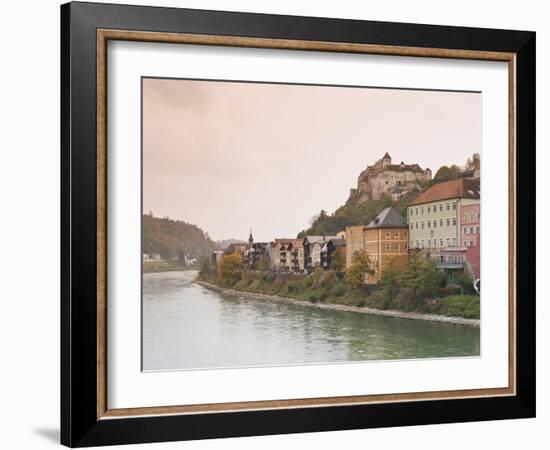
250, 238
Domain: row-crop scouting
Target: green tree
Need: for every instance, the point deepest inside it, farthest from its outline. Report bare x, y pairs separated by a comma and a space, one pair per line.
360, 266
466, 283
205, 266
230, 269
421, 276
338, 260
430, 278
411, 275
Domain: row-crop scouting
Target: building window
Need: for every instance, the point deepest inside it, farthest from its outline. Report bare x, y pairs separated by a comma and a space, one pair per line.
454, 206
387, 248
440, 207
448, 222
465, 244
396, 233
471, 230
416, 212
465, 230
416, 244
477, 230
422, 224
478, 215
435, 223
429, 223
387, 233
435, 242
440, 222
406, 247
405, 234
396, 247
411, 225
448, 242
465, 217
448, 206
441, 242
454, 220
422, 243
429, 209
471, 243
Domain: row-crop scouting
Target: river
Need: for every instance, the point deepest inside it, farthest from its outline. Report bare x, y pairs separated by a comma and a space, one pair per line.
187, 326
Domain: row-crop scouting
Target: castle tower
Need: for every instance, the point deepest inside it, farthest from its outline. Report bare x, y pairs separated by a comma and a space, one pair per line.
386, 160
250, 238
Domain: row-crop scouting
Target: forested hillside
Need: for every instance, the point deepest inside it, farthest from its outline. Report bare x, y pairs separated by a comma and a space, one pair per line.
353, 212
359, 212
172, 238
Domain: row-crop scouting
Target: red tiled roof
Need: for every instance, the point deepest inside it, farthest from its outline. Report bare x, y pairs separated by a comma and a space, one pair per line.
459, 188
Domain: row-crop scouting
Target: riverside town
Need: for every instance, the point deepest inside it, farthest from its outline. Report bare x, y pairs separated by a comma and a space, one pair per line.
418, 253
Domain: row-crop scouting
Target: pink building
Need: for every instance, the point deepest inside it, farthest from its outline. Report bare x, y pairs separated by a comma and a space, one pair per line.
469, 234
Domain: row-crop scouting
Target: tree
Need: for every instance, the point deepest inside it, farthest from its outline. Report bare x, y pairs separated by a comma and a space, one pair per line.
430, 278
473, 162
421, 275
390, 281
205, 266
230, 268
411, 275
263, 264
446, 173
338, 260
360, 266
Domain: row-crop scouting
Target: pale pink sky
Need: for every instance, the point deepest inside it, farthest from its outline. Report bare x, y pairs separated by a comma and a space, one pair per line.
233, 156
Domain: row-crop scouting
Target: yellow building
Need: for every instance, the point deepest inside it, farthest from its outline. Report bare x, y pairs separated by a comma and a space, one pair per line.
384, 239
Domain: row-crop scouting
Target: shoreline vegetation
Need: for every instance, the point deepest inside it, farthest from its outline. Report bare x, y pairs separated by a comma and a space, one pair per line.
418, 290
456, 320
164, 266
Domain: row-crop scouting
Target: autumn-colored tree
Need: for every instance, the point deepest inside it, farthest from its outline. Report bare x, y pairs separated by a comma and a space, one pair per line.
446, 173
338, 260
230, 268
360, 266
390, 279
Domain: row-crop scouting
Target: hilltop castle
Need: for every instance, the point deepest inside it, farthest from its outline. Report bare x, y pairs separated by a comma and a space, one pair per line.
394, 180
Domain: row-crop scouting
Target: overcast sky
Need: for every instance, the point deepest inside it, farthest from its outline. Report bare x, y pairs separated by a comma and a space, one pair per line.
233, 156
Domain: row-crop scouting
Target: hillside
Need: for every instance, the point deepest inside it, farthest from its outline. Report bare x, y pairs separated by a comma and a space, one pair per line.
170, 238
354, 212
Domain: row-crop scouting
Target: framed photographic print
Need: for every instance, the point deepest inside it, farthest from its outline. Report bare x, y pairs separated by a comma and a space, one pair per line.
276, 224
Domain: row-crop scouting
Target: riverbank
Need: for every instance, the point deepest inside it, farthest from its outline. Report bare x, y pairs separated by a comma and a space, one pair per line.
162, 266
338, 307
